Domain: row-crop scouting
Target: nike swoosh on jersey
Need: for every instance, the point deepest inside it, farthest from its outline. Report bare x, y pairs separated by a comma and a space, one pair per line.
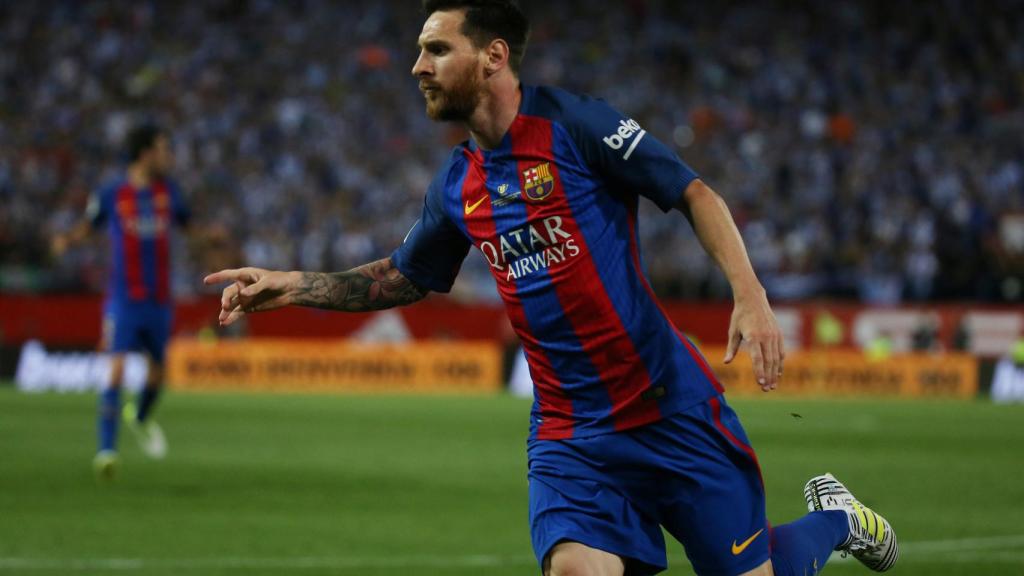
471, 207
738, 549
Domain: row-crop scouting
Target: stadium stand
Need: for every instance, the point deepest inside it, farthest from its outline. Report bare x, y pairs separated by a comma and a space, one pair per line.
865, 152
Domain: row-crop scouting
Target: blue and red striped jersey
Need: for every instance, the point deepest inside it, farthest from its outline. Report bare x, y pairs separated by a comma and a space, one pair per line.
139, 222
553, 210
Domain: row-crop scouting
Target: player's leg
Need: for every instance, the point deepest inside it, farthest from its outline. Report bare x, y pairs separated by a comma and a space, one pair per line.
109, 405
717, 506
575, 559
117, 337
138, 418
582, 520
870, 537
151, 390
155, 335
804, 545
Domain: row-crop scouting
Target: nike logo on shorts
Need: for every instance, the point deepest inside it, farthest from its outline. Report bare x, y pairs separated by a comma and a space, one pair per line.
738, 549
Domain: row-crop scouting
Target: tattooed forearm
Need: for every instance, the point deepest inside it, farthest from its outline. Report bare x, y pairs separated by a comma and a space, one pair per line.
372, 286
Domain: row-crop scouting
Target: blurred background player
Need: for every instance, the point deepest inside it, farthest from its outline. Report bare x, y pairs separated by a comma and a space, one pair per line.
630, 431
138, 210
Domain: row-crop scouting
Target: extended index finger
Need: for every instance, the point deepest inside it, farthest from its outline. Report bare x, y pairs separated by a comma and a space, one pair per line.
229, 275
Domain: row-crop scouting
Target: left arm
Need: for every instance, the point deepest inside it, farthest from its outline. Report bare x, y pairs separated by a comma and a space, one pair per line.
752, 317
373, 286
60, 242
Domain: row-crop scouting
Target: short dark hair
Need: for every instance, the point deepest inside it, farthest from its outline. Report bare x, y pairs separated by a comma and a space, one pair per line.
141, 138
488, 20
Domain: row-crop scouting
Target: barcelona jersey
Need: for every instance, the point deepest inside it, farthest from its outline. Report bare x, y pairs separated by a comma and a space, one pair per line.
139, 222
553, 211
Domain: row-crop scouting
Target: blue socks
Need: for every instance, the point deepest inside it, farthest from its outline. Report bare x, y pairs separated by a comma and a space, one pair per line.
803, 546
147, 398
109, 411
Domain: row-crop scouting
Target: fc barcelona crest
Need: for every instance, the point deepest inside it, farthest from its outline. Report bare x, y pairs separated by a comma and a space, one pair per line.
538, 183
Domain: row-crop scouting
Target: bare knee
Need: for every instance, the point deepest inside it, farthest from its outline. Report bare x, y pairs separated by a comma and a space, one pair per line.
575, 559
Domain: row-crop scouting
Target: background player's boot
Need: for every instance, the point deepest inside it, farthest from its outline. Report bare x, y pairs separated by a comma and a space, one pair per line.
149, 435
871, 539
104, 464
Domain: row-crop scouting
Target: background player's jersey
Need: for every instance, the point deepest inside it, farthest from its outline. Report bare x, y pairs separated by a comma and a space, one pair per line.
553, 210
139, 223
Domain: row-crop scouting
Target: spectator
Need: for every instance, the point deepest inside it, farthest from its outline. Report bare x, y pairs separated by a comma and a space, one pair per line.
866, 148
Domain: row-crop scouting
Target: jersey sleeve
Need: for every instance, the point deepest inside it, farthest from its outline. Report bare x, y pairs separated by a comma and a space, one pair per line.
100, 206
620, 150
434, 249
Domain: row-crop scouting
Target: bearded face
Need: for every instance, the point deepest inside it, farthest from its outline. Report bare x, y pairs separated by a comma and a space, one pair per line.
456, 100
448, 68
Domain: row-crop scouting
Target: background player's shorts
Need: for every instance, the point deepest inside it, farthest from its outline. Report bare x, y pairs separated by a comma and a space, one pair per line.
693, 473
137, 326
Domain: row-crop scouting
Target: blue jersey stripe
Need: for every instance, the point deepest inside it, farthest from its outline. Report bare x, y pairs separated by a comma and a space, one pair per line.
652, 334
686, 362
147, 245
453, 202
544, 311
611, 258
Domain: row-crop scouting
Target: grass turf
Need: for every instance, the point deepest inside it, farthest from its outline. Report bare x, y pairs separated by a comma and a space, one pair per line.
275, 484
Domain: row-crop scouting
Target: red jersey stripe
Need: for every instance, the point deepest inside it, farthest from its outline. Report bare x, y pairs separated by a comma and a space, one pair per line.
162, 211
555, 405
580, 290
697, 357
128, 213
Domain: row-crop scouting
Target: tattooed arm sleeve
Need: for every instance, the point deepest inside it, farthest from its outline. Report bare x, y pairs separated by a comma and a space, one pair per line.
374, 286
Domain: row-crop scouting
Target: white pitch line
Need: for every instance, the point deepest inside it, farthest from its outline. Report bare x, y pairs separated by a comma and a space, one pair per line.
966, 550
959, 544
975, 556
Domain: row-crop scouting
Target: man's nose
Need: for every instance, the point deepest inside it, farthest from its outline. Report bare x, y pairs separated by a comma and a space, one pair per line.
420, 67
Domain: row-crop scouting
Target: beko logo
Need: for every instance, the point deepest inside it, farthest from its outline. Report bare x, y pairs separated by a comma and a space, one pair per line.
627, 129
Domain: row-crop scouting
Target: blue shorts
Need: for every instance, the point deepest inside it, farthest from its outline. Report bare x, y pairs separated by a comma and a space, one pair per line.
693, 473
137, 326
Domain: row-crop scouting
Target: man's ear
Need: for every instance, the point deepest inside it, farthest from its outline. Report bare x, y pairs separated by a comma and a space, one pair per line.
497, 56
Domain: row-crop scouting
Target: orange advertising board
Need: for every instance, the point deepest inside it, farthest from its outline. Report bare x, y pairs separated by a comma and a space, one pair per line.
850, 373
334, 366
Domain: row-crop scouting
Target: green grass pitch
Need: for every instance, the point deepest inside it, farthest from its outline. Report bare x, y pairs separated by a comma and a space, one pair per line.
274, 484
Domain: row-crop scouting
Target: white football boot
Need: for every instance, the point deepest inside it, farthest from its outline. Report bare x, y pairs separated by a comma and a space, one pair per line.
871, 539
148, 434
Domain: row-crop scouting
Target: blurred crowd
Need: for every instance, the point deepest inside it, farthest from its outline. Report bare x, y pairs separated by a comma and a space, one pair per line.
868, 150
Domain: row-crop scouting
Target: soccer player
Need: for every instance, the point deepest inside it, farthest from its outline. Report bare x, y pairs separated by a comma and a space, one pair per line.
629, 431
138, 211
